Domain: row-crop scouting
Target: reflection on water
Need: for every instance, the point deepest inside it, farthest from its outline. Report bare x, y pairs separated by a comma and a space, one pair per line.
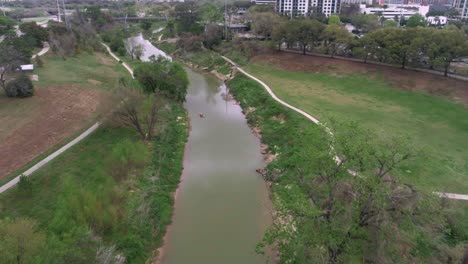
148, 48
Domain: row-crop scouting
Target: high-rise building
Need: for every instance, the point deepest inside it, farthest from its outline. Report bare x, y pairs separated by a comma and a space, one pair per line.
293, 7
326, 7
462, 7
306, 7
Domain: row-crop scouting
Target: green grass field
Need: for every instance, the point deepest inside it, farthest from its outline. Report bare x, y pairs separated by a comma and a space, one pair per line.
96, 70
437, 126
111, 189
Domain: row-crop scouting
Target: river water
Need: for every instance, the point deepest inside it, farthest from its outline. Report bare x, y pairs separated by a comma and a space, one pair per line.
221, 205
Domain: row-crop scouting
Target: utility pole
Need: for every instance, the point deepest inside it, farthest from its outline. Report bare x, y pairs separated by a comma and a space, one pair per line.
58, 11
3, 8
225, 25
65, 13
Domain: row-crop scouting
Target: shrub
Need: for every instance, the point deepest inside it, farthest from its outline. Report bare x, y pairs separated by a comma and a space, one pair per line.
121, 51
20, 87
25, 184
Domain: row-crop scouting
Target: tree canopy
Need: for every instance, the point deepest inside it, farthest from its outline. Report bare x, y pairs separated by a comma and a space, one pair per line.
163, 76
416, 20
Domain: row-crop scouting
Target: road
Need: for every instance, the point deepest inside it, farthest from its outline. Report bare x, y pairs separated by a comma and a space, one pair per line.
455, 196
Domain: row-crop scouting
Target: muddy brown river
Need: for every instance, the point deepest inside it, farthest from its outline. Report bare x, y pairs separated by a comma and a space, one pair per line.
221, 207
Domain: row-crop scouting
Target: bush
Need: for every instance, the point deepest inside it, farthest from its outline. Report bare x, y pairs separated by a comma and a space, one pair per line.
25, 184
20, 87
121, 51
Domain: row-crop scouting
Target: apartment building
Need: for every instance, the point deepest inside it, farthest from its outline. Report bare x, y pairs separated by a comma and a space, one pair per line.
462, 7
306, 7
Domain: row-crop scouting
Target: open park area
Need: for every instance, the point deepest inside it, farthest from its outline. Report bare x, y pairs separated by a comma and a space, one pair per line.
430, 109
70, 95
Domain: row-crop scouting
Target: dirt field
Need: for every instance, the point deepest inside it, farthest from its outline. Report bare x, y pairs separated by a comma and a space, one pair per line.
56, 113
456, 90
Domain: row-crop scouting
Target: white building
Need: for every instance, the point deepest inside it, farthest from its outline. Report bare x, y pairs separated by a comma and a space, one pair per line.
396, 10
368, 2
306, 7
327, 7
293, 7
263, 2
437, 20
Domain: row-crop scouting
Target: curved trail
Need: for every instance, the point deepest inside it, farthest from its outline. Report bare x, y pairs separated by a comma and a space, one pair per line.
70, 144
316, 121
43, 51
130, 70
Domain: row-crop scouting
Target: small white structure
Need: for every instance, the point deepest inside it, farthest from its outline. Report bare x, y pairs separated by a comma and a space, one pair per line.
27, 67
395, 10
437, 20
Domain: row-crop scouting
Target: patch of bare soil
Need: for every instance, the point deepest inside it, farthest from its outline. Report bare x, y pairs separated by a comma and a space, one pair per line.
62, 112
456, 90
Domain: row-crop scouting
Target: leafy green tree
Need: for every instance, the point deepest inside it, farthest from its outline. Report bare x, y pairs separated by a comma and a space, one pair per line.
367, 47
187, 15
212, 36
280, 33
145, 24
416, 20
6, 25
334, 20
365, 22
449, 45
20, 241
336, 37
210, 13
390, 23
305, 32
10, 60
20, 87
35, 31
96, 16
163, 76
263, 23
341, 210
398, 45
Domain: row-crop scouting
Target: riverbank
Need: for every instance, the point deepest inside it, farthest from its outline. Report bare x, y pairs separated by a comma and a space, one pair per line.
114, 190
291, 138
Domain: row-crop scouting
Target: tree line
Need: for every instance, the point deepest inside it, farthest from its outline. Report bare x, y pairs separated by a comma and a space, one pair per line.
416, 46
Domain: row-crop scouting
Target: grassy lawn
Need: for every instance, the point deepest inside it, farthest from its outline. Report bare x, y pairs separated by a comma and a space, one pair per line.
70, 95
96, 70
110, 189
436, 125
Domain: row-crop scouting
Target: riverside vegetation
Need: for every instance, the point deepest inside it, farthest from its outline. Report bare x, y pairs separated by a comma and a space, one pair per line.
324, 214
109, 198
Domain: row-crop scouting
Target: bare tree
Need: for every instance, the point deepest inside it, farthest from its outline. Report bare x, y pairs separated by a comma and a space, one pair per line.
137, 110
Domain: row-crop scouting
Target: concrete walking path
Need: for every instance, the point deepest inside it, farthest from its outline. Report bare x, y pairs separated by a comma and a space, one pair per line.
46, 160
316, 121
82, 136
44, 50
130, 70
